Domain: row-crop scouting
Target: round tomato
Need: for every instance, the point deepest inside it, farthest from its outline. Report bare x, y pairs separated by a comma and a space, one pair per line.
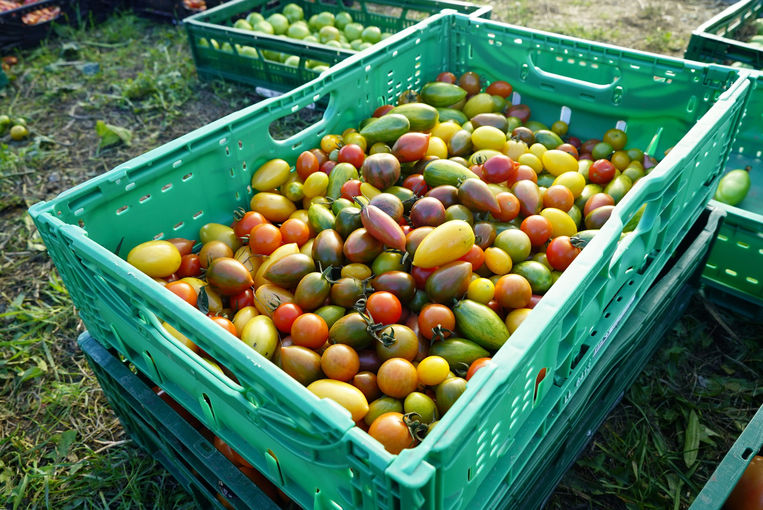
392, 432
340, 362
285, 315
184, 290
432, 370
307, 163
309, 330
435, 318
748, 492
352, 154
560, 253
384, 307
294, 231
247, 222
537, 228
397, 377
476, 365
264, 239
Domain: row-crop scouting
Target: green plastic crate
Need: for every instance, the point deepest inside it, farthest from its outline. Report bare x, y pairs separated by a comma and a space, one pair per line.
256, 70
622, 362
157, 428
713, 40
203, 176
3, 79
734, 272
724, 478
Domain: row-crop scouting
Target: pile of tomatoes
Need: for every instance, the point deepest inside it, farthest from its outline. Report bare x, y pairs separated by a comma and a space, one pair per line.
384, 268
32, 18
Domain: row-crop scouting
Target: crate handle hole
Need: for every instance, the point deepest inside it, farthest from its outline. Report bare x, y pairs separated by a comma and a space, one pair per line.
746, 453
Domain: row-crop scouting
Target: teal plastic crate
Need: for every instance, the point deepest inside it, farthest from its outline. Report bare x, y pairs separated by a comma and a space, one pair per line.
257, 68
734, 272
714, 40
724, 478
155, 426
3, 79
204, 176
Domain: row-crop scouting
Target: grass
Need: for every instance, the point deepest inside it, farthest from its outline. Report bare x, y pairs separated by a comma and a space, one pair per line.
60, 444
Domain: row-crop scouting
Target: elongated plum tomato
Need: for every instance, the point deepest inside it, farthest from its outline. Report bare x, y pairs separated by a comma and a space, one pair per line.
411, 146
344, 394
157, 259
228, 276
446, 243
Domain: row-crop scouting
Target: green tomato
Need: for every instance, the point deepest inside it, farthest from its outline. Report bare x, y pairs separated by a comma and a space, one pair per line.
293, 12
279, 23
353, 31
733, 187
342, 19
243, 24
371, 34
254, 17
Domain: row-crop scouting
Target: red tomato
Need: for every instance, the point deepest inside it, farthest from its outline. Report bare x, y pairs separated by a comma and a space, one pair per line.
384, 307
242, 300
500, 88
537, 228
351, 189
417, 184
184, 246
420, 275
224, 323
476, 365
184, 290
190, 265
499, 169
382, 110
264, 239
309, 330
285, 315
509, 205
446, 77
327, 166
748, 492
475, 256
248, 221
307, 163
559, 197
294, 230
436, 317
601, 172
392, 432
560, 253
352, 154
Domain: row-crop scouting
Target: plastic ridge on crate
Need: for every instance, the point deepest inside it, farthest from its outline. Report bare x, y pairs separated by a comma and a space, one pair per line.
572, 428
203, 176
713, 40
727, 474
256, 70
187, 454
15, 33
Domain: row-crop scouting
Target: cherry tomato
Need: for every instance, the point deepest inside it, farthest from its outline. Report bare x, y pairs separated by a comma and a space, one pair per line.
264, 239
330, 142
392, 432
242, 300
417, 184
184, 290
509, 205
307, 163
351, 189
537, 228
421, 274
595, 201
158, 259
500, 88
470, 82
226, 324
190, 265
309, 330
475, 256
340, 362
294, 230
601, 172
365, 381
397, 377
248, 221
513, 291
382, 110
560, 253
559, 197
499, 168
352, 154
405, 344
476, 365
748, 492
384, 307
432, 370
285, 315
184, 246
433, 315
446, 77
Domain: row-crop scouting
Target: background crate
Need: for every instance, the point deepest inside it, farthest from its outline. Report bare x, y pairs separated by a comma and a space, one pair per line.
182, 449
724, 478
629, 352
734, 272
713, 40
3, 78
276, 424
259, 71
14, 33
168, 10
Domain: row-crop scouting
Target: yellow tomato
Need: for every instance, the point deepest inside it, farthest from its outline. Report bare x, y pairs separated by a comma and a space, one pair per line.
557, 162
157, 259
488, 137
344, 394
446, 243
573, 181
271, 175
437, 147
561, 222
498, 261
481, 290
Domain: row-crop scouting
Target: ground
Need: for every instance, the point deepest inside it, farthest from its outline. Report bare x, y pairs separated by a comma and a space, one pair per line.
61, 446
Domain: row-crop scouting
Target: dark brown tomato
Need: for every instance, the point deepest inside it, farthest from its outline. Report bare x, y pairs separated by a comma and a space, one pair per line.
381, 170
520, 111
361, 246
470, 82
427, 211
446, 194
346, 291
228, 276
484, 234
327, 249
399, 283
390, 204
301, 363
365, 381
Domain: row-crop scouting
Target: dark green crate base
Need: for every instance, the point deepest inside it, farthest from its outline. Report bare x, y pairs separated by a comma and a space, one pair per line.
617, 369
190, 457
